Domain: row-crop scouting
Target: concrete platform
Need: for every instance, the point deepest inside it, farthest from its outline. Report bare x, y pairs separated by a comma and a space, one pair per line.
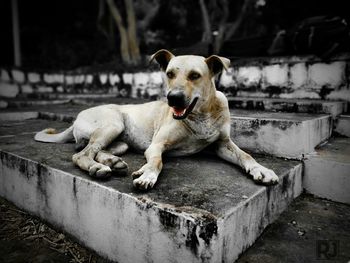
327, 171
281, 134
342, 125
201, 210
334, 108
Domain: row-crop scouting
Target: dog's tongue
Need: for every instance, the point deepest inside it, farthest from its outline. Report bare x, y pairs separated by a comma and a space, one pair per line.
179, 111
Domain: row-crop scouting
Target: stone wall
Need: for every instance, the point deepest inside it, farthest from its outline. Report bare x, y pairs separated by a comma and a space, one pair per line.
305, 77
279, 77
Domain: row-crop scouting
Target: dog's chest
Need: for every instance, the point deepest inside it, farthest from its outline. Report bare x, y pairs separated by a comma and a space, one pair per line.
204, 128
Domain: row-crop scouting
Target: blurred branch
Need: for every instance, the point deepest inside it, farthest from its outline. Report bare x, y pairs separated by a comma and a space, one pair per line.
219, 40
152, 11
235, 25
100, 14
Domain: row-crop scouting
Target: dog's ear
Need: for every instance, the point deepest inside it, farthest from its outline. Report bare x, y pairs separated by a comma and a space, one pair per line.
216, 64
163, 57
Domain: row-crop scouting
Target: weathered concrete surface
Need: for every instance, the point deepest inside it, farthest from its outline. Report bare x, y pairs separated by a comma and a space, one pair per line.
334, 108
342, 125
327, 171
279, 134
201, 210
293, 238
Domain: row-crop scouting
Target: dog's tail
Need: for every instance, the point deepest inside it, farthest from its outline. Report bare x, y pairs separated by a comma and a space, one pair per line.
50, 135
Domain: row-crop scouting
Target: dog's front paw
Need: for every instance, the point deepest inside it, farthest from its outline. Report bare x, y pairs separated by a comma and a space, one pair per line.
263, 175
144, 179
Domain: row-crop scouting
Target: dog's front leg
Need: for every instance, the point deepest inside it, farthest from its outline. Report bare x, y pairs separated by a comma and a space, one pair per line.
147, 176
230, 152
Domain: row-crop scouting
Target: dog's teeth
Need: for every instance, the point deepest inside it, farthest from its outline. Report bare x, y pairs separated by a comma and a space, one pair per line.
179, 112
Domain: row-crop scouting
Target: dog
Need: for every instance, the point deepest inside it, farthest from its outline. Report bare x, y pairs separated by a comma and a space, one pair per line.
194, 116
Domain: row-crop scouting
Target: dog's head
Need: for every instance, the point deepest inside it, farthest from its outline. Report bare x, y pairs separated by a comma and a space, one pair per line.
190, 80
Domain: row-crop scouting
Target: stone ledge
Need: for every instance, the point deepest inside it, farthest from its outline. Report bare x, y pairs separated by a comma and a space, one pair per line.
201, 210
289, 135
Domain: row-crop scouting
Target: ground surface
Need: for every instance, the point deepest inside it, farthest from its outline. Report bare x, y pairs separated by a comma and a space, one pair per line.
24, 238
307, 232
292, 238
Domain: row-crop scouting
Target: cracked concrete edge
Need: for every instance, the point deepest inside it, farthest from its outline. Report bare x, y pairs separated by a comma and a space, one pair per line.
248, 220
94, 213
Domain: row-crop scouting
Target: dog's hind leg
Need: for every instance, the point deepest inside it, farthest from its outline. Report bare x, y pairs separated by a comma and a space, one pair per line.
81, 144
114, 162
99, 140
117, 148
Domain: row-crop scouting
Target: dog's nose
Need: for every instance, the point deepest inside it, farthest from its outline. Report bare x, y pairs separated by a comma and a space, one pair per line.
176, 98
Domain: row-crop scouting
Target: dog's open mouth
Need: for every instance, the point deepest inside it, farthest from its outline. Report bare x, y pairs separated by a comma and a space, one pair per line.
181, 113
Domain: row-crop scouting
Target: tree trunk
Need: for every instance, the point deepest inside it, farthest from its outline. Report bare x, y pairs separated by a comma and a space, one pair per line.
16, 34
124, 42
134, 49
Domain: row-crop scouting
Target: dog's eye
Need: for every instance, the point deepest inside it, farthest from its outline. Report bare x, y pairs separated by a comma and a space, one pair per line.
194, 76
170, 74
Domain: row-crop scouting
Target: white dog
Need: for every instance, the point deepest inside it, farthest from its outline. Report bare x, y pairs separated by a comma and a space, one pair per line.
194, 116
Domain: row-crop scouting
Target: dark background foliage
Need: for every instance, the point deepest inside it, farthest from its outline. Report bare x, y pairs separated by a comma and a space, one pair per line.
67, 34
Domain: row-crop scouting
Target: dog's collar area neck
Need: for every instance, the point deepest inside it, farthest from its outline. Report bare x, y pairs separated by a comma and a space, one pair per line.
182, 113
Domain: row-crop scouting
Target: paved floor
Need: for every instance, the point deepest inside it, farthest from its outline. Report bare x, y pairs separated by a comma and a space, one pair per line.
311, 230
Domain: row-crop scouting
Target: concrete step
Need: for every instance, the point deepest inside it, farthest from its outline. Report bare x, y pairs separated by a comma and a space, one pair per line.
281, 134
327, 171
201, 210
36, 102
342, 125
287, 135
334, 108
69, 101
67, 96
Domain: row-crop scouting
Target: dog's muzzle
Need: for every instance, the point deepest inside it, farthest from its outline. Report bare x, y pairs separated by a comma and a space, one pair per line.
180, 104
